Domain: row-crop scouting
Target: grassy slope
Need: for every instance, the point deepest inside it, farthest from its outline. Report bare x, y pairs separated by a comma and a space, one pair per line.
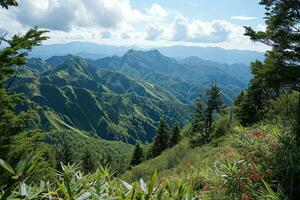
179, 161
110, 104
216, 169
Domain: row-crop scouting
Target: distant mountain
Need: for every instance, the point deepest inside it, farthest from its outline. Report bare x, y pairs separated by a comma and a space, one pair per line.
185, 79
96, 51
229, 56
73, 95
84, 49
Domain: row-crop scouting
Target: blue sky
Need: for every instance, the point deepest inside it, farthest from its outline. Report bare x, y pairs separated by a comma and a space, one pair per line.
210, 9
148, 23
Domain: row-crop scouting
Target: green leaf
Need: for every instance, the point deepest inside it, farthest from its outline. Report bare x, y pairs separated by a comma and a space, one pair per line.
152, 181
7, 167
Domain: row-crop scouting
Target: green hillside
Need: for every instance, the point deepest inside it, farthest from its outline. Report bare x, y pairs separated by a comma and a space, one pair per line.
109, 104
234, 166
185, 79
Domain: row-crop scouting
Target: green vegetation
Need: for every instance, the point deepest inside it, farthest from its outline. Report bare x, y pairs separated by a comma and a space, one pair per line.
185, 79
281, 66
162, 139
203, 116
252, 163
18, 138
175, 135
247, 151
242, 163
109, 104
138, 155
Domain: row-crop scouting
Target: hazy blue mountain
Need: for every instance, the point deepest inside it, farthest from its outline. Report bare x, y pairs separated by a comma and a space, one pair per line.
213, 54
76, 96
96, 51
240, 72
78, 48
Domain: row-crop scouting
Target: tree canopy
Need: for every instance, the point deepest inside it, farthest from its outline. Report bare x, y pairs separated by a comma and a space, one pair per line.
281, 68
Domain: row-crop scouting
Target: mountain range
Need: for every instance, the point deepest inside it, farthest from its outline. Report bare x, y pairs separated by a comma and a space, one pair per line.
185, 79
121, 97
97, 51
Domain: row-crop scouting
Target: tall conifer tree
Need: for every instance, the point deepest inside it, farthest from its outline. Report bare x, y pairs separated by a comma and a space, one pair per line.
175, 135
138, 155
281, 67
161, 140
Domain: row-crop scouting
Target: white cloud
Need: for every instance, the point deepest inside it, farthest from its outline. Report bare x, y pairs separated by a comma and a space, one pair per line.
157, 11
56, 15
154, 32
180, 30
117, 22
198, 31
64, 14
243, 18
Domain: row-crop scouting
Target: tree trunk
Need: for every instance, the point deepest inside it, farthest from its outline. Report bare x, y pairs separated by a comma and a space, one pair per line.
208, 133
298, 121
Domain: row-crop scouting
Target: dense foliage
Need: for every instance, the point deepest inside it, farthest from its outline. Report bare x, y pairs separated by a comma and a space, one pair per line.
281, 67
204, 115
74, 95
249, 152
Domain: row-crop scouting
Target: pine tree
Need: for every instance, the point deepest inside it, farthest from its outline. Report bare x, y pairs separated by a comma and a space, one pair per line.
138, 155
214, 103
7, 3
281, 66
175, 135
161, 140
198, 116
203, 115
255, 103
88, 162
198, 123
13, 55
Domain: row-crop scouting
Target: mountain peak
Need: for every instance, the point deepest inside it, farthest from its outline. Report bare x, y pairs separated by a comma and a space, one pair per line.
56, 60
133, 52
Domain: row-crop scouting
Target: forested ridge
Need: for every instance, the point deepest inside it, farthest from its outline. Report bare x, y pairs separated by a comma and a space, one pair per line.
146, 126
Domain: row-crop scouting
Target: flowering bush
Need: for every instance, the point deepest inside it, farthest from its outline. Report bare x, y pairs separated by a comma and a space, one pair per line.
245, 165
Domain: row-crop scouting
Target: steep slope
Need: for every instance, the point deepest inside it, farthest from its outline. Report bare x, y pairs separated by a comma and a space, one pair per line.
75, 95
39, 65
185, 79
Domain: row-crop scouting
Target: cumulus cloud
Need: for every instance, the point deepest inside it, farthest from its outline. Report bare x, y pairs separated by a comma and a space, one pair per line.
154, 32
117, 21
180, 30
157, 11
243, 18
64, 14
57, 15
198, 31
